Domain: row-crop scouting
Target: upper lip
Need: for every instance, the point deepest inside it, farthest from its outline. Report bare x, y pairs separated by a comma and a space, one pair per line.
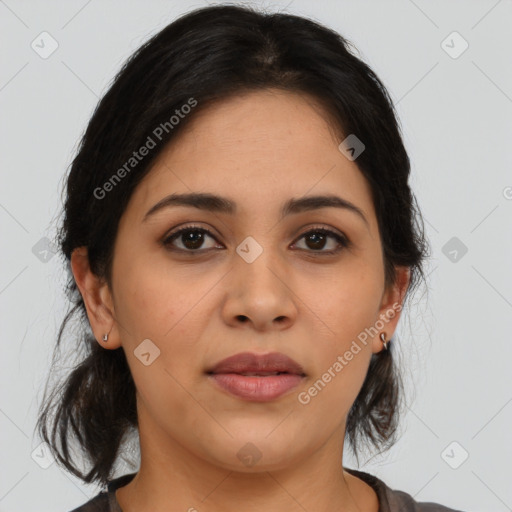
247, 362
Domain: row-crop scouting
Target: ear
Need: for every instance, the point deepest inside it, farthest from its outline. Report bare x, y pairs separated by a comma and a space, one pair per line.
391, 307
97, 299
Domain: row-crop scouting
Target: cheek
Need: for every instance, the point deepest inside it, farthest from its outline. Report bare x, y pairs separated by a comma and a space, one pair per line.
347, 304
152, 306
141, 308
348, 300
152, 303
342, 364
332, 393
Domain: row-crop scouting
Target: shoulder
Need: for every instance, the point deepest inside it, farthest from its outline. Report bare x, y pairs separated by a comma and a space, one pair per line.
397, 501
99, 503
106, 501
401, 501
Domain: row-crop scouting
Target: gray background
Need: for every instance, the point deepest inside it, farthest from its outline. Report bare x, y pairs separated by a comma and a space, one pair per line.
456, 114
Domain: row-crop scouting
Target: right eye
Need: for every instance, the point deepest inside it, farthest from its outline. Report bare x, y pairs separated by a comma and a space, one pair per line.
191, 238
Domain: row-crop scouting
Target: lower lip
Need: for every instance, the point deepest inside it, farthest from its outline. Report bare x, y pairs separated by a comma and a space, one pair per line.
257, 389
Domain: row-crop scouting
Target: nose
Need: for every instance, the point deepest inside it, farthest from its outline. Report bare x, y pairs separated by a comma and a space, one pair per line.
260, 295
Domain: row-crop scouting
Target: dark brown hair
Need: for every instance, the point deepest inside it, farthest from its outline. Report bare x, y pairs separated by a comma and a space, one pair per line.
211, 54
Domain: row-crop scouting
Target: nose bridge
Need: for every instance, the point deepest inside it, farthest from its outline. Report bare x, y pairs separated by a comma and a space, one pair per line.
259, 262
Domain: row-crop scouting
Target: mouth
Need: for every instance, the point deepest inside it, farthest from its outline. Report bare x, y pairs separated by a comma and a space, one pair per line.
257, 378
260, 374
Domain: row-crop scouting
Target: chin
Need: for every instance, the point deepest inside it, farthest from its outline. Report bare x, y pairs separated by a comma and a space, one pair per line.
256, 454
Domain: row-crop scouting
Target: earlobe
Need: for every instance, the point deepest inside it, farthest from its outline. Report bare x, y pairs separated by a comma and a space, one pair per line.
97, 300
391, 307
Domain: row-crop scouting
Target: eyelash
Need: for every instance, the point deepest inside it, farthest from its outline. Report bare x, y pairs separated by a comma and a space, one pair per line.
342, 240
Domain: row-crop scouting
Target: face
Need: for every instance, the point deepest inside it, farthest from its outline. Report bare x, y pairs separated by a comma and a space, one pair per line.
249, 279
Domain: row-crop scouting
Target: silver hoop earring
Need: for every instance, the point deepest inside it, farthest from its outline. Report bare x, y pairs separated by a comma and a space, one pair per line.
383, 339
105, 337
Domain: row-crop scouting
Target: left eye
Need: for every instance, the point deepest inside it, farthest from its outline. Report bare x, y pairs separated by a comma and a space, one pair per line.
192, 238
317, 237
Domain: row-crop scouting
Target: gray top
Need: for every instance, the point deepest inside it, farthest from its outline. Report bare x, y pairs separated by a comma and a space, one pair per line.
389, 499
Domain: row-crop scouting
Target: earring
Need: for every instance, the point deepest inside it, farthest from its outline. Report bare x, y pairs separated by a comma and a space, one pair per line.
105, 336
383, 339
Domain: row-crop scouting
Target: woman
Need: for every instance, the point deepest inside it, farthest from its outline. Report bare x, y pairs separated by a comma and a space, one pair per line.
242, 239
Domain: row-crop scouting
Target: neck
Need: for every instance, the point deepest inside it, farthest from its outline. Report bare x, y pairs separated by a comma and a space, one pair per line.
174, 478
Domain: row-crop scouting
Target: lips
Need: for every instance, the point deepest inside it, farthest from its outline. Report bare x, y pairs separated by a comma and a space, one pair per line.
257, 378
249, 364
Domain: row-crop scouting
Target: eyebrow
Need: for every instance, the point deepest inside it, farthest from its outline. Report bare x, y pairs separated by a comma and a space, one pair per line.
215, 203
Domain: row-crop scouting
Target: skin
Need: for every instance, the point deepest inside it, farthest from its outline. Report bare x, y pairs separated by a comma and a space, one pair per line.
259, 150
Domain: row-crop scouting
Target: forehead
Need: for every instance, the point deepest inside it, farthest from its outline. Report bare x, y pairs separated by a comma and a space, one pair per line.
267, 118
257, 148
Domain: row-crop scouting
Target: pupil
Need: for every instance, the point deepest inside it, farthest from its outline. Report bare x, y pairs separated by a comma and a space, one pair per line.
190, 239
320, 238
